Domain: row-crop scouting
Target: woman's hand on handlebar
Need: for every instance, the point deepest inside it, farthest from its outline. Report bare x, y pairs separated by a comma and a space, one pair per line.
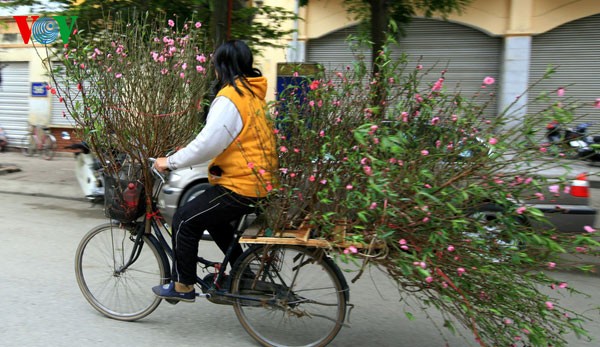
161, 164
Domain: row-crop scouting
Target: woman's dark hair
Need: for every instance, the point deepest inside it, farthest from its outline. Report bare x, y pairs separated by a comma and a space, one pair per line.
233, 59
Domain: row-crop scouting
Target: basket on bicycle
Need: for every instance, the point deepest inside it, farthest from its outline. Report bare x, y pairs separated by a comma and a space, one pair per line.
124, 197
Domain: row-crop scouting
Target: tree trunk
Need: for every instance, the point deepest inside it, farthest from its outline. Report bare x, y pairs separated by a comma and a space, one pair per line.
379, 24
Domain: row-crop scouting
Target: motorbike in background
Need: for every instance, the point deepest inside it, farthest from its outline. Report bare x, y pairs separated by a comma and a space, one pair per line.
575, 142
88, 170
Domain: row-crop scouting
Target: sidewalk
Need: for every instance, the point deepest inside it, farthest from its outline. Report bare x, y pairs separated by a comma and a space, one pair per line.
40, 177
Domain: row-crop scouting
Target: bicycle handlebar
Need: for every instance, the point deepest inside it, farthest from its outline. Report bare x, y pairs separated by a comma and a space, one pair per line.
155, 171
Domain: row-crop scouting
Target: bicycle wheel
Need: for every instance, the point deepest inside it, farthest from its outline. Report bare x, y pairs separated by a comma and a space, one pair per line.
117, 293
28, 145
293, 296
49, 147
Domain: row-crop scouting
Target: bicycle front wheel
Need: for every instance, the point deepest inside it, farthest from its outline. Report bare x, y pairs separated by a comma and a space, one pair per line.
49, 147
115, 291
291, 296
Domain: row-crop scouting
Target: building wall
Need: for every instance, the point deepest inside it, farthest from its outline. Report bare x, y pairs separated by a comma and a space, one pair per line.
501, 18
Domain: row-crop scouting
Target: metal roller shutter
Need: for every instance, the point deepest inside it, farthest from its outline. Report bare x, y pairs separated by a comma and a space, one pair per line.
14, 100
469, 55
574, 48
59, 114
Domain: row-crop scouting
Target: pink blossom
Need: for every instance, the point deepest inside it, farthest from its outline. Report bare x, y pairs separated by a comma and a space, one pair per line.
201, 58
323, 182
181, 75
312, 178
251, 165
551, 265
560, 91
540, 196
351, 249
311, 103
521, 209
461, 271
450, 248
489, 80
349, 187
426, 219
589, 229
437, 86
321, 133
508, 321
368, 171
118, 75
373, 206
198, 25
283, 149
597, 103
171, 23
183, 66
563, 285
424, 152
549, 305
269, 187
454, 118
314, 85
200, 68
554, 189
435, 120
492, 141
543, 149
419, 67
402, 241
429, 279
262, 171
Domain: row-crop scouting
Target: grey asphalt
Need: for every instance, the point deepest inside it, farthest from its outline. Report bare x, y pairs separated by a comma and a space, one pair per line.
377, 319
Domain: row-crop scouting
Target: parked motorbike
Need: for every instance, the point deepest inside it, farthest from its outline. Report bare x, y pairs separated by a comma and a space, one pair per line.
88, 171
573, 141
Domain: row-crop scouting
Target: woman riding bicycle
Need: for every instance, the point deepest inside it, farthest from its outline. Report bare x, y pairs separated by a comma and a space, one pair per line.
241, 140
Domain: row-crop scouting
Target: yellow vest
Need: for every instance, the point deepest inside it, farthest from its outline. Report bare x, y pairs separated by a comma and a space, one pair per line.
248, 166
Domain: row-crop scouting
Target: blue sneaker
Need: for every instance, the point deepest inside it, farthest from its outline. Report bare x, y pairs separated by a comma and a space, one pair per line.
167, 291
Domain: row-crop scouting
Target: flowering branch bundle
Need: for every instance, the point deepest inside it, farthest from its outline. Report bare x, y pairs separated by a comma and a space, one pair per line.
135, 90
436, 180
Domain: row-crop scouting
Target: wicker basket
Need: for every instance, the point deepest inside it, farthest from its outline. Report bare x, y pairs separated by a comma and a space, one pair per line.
115, 205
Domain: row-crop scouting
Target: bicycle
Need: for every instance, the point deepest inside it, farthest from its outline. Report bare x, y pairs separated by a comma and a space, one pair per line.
39, 139
283, 295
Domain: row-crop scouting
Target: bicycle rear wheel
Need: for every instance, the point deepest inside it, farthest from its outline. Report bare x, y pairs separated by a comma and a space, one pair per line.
49, 147
28, 145
123, 294
293, 296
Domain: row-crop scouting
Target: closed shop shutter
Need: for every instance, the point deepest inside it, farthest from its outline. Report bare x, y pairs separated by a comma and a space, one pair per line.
59, 114
14, 100
468, 55
574, 48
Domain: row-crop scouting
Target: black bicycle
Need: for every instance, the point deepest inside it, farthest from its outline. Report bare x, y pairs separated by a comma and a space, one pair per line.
283, 295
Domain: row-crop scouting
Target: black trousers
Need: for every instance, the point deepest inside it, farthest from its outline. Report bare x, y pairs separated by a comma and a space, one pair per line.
214, 210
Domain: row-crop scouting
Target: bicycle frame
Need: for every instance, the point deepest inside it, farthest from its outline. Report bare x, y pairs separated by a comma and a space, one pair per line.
158, 225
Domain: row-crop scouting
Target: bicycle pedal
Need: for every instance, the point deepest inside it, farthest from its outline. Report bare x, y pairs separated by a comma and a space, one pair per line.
172, 302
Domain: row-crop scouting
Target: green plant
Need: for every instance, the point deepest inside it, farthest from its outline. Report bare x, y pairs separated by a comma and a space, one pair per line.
437, 183
134, 90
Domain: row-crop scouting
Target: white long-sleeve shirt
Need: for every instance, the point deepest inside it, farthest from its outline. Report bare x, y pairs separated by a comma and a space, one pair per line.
223, 125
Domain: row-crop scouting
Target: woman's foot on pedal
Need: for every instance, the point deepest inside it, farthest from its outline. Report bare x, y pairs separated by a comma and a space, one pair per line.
167, 291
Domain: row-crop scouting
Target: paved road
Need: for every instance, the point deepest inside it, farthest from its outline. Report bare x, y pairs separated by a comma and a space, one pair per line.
41, 304
44, 217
